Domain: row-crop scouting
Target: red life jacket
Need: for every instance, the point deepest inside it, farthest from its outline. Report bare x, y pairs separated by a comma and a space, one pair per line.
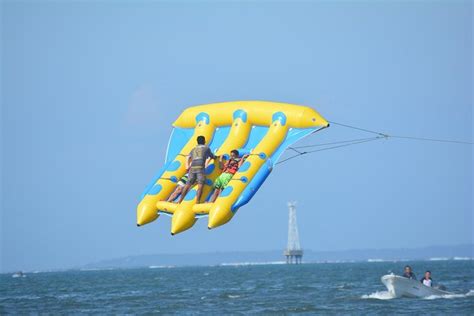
232, 166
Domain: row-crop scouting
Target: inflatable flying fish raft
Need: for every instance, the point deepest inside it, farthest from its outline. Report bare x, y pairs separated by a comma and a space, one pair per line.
258, 128
399, 286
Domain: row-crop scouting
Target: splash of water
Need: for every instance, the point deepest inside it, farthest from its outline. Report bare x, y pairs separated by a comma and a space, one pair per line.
450, 296
386, 295
379, 295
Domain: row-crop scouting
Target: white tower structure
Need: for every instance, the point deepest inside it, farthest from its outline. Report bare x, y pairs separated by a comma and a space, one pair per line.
293, 251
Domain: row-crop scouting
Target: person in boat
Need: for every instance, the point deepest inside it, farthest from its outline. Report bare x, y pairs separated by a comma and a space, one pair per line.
196, 164
228, 170
427, 280
179, 188
408, 273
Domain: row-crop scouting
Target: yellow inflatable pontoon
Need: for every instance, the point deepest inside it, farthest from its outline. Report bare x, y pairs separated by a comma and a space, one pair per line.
258, 128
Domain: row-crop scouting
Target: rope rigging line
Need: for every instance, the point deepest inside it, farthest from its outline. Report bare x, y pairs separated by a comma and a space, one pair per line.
345, 145
433, 140
333, 147
319, 129
294, 149
360, 129
404, 137
331, 143
350, 142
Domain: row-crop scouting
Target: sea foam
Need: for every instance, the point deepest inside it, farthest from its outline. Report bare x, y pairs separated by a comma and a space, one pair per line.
379, 295
450, 296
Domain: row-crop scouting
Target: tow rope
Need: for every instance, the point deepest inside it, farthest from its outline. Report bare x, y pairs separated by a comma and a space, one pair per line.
300, 150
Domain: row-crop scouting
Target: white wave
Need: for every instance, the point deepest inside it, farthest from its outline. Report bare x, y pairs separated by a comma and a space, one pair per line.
237, 264
382, 295
450, 296
22, 297
97, 269
233, 296
462, 258
375, 260
438, 259
335, 261
160, 267
345, 286
386, 295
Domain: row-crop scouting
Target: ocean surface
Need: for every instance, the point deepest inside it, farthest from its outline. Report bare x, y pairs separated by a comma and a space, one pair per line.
320, 288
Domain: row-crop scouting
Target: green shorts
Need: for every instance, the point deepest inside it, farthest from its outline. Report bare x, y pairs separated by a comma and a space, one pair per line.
223, 180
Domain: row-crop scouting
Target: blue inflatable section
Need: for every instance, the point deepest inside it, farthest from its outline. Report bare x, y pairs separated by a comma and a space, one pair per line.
293, 136
220, 136
178, 139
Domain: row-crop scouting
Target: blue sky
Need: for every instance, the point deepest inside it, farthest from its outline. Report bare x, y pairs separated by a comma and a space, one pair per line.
89, 92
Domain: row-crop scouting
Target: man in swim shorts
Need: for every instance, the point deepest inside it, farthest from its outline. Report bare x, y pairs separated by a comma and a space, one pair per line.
196, 164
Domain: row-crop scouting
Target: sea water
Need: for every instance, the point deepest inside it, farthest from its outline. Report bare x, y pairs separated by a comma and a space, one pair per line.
312, 288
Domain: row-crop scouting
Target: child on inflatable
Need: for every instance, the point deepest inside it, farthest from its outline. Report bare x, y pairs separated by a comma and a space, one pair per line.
229, 169
179, 188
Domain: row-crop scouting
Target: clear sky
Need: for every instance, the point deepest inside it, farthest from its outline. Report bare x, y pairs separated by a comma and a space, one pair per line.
89, 92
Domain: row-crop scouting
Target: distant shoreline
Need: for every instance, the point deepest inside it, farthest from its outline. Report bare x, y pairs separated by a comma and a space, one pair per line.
240, 258
243, 264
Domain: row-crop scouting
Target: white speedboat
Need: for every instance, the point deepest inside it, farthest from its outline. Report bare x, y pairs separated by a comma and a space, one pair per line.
18, 274
399, 286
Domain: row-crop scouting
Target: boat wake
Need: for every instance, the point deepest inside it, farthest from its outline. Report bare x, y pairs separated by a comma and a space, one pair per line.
379, 295
386, 295
450, 296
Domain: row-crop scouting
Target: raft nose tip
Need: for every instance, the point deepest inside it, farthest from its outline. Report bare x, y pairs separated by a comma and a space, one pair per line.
138, 225
208, 227
172, 234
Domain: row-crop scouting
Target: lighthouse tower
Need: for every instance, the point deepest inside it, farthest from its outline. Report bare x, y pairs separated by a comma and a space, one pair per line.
293, 251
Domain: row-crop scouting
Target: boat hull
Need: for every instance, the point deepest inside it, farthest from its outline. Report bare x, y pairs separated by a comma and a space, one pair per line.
403, 287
